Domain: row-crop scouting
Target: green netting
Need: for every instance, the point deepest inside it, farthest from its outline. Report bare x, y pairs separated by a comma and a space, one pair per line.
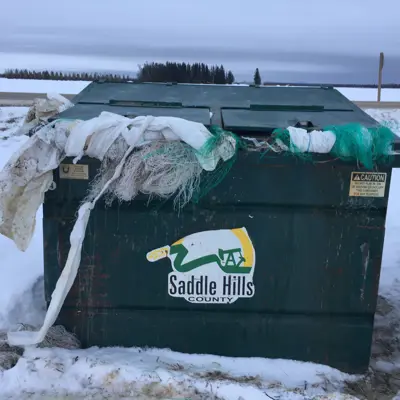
211, 179
167, 169
281, 137
354, 142
365, 145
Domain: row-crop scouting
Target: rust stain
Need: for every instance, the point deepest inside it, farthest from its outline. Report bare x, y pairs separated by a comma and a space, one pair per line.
365, 257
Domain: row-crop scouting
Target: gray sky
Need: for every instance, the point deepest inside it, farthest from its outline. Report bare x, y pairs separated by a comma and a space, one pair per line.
288, 40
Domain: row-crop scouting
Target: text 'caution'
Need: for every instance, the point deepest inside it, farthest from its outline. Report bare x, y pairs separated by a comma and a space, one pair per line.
368, 184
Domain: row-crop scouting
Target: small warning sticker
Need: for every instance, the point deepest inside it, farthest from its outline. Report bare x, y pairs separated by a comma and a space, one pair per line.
74, 171
368, 184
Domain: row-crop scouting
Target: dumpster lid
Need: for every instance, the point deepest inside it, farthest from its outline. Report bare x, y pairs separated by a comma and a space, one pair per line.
197, 95
265, 121
234, 107
88, 111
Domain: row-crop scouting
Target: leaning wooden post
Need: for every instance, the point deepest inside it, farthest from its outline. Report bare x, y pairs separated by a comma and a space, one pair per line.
381, 62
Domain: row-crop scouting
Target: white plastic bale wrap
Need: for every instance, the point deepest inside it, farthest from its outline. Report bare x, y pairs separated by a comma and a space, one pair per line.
63, 286
99, 133
310, 142
25, 179
42, 110
22, 190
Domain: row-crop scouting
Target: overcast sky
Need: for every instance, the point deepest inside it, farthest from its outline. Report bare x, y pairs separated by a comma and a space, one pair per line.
288, 40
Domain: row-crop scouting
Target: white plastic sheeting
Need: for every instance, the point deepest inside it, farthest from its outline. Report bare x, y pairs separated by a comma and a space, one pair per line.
309, 142
42, 110
23, 182
301, 140
28, 175
99, 133
63, 286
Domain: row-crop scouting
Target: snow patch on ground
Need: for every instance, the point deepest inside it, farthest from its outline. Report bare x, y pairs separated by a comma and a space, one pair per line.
11, 119
369, 94
19, 271
390, 275
41, 86
387, 117
163, 374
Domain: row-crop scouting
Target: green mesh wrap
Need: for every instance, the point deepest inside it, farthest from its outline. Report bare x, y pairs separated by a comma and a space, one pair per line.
282, 137
354, 142
365, 145
211, 179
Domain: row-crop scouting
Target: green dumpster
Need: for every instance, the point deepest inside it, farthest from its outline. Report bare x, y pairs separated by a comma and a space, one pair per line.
281, 259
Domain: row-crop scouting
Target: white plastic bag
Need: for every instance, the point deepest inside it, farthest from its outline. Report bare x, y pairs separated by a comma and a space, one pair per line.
312, 142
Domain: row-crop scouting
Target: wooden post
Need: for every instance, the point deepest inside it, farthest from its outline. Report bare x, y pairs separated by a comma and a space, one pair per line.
381, 62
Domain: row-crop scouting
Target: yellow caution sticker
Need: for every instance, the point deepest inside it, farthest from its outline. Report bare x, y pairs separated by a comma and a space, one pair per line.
74, 171
368, 184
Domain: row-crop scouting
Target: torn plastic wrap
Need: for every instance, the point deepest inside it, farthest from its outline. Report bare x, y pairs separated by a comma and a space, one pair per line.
43, 109
28, 175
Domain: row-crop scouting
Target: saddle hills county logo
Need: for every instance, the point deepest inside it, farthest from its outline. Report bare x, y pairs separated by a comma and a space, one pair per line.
210, 267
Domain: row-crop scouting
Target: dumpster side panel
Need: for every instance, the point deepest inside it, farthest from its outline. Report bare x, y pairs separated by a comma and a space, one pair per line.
316, 275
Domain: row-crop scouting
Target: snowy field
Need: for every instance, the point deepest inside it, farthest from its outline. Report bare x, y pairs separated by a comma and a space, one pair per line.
361, 94
41, 86
74, 87
160, 373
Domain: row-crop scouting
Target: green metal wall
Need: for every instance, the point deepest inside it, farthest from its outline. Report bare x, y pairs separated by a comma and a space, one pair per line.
316, 275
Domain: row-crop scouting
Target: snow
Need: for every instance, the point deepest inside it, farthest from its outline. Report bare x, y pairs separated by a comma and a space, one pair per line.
367, 94
10, 119
19, 271
390, 117
390, 276
41, 86
158, 373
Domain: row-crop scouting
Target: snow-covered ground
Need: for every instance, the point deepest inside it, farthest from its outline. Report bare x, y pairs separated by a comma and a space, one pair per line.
41, 86
366, 94
74, 87
20, 270
160, 373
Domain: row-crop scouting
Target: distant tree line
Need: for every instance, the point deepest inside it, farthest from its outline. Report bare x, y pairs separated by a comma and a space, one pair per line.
62, 76
166, 72
184, 73
149, 72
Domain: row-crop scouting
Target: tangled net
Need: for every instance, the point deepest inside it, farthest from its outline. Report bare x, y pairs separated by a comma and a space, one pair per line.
368, 146
352, 142
159, 169
162, 169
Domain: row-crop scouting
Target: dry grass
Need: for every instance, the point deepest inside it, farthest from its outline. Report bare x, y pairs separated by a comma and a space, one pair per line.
382, 381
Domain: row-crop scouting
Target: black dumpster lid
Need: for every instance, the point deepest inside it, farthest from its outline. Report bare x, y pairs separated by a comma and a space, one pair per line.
88, 111
266, 121
234, 107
